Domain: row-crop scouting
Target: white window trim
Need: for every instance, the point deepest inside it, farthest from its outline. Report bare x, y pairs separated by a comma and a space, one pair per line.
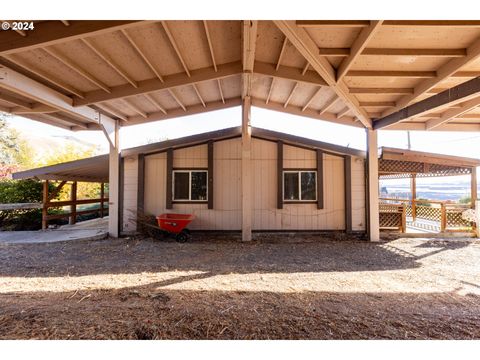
189, 185
299, 172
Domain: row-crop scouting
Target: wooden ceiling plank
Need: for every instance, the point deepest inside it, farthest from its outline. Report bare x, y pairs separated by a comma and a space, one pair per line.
445, 71
75, 67
210, 46
53, 32
110, 62
458, 94
357, 47
453, 113
396, 52
396, 91
134, 107
291, 95
46, 77
175, 97
280, 56
198, 94
155, 103
311, 99
399, 74
175, 46
142, 54
170, 81
309, 50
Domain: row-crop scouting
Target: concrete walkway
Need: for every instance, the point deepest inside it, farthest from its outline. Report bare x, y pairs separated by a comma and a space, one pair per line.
95, 229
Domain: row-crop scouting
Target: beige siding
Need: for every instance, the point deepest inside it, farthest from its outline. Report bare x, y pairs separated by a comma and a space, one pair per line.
130, 188
226, 214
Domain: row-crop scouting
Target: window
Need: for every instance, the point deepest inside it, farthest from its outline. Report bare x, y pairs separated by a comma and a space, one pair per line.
190, 185
300, 186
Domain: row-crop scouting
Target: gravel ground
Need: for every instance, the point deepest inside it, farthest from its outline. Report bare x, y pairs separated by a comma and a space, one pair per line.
215, 287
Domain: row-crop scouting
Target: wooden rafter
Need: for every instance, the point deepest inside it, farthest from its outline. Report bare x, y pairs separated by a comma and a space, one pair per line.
280, 56
249, 43
396, 52
155, 103
65, 22
309, 50
77, 68
399, 23
142, 54
311, 99
170, 82
307, 65
291, 95
35, 109
112, 111
289, 73
53, 32
458, 94
343, 112
110, 62
333, 23
210, 46
270, 90
134, 107
66, 120
220, 90
358, 45
445, 71
198, 94
175, 46
329, 105
15, 101
41, 74
390, 74
175, 97
383, 90
453, 113
377, 103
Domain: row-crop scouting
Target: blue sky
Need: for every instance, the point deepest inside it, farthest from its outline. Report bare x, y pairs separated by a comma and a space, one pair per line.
453, 143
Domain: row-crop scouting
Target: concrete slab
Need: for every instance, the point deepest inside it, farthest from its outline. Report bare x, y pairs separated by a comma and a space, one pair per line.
50, 236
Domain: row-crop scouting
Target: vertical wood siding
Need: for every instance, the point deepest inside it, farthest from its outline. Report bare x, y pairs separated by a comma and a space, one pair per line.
130, 184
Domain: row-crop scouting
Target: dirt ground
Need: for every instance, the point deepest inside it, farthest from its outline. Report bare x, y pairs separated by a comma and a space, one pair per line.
280, 287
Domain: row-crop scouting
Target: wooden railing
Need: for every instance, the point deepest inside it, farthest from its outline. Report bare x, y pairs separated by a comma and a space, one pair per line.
447, 215
392, 217
73, 203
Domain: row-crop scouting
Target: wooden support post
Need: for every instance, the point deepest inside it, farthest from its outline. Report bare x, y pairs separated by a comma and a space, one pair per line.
73, 207
477, 217
211, 146
373, 224
443, 217
169, 190
246, 171
413, 185
279, 174
319, 179
102, 197
404, 218
45, 205
474, 189
348, 192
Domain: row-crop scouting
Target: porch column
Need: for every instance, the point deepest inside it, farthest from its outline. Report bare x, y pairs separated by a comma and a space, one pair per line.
111, 130
413, 184
373, 224
246, 171
473, 182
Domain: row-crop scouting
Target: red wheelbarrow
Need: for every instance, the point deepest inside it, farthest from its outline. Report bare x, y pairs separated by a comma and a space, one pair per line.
175, 225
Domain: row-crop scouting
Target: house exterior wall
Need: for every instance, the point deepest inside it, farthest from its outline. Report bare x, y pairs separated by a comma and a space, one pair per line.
226, 214
130, 188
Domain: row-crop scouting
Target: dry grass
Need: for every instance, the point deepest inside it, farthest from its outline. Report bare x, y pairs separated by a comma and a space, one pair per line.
218, 288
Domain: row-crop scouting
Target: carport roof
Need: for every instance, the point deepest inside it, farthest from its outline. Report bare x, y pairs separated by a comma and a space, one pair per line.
353, 72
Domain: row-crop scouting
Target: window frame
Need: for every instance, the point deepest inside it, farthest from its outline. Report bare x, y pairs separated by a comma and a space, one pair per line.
299, 173
189, 200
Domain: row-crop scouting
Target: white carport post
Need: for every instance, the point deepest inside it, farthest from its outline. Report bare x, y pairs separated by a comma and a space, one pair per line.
373, 224
111, 130
246, 171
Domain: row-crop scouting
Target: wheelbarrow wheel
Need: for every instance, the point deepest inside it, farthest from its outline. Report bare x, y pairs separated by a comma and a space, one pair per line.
181, 237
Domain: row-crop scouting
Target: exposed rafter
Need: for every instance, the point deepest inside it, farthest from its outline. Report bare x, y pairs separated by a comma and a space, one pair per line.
155, 103
170, 82
343, 112
175, 46
15, 101
53, 32
461, 93
291, 95
35, 109
289, 73
396, 52
198, 94
307, 47
329, 105
249, 43
270, 90
399, 23
134, 107
65, 120
453, 113
210, 45
446, 70
110, 110
357, 47
110, 62
220, 90
175, 97
311, 99
282, 51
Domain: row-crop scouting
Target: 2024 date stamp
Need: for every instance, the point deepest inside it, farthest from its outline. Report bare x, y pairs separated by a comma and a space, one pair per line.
18, 25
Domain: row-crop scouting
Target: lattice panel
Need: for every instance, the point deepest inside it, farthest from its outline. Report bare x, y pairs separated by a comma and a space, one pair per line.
394, 169
390, 220
429, 213
454, 219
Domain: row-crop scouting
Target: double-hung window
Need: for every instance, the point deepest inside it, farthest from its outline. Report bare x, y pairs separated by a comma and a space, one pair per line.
299, 185
190, 185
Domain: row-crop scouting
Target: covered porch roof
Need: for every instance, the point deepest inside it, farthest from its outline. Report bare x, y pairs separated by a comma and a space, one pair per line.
360, 73
400, 163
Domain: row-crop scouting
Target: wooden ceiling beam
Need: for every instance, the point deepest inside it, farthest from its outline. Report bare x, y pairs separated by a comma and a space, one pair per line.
198, 94
453, 113
390, 74
395, 91
110, 110
134, 107
289, 73
48, 78
110, 62
210, 46
343, 112
75, 67
328, 105
65, 22
174, 45
35, 109
53, 32
311, 99
270, 90
396, 52
153, 85
394, 23
458, 94
249, 44
357, 47
155, 103
175, 97
220, 90
421, 126
307, 65
15, 101
377, 103
142, 54
445, 71
291, 95
282, 50
66, 120
332, 23
309, 50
